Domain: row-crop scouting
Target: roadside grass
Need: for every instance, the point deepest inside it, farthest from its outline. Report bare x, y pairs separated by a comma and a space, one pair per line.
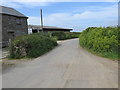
109, 55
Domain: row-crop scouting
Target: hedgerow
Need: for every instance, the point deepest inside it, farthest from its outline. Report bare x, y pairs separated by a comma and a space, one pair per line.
101, 40
65, 35
31, 46
34, 45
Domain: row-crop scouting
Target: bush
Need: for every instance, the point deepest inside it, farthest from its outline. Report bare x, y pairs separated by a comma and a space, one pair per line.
103, 41
59, 35
31, 45
65, 35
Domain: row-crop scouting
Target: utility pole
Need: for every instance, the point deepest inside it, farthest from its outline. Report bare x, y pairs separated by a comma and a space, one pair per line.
41, 19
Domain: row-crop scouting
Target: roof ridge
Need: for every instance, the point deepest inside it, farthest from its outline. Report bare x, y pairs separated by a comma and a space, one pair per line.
38, 26
6, 7
11, 11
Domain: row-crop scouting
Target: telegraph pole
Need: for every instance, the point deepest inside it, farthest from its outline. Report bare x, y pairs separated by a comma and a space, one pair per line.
41, 19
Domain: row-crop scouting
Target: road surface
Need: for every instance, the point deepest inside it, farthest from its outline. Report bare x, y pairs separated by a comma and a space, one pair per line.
66, 66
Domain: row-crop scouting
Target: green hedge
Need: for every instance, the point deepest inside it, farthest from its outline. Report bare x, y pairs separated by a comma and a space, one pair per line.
65, 35
103, 41
31, 45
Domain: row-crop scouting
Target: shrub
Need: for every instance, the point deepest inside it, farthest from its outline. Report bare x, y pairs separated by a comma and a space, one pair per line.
101, 40
31, 45
65, 35
59, 35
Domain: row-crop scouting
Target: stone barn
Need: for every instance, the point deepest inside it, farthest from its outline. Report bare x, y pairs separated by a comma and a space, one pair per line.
14, 24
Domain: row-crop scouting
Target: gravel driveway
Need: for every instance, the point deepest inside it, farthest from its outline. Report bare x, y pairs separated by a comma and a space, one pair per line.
66, 66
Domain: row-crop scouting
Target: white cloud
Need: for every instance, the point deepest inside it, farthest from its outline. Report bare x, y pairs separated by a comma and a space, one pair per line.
34, 20
105, 17
35, 3
18, 4
10, 5
61, 0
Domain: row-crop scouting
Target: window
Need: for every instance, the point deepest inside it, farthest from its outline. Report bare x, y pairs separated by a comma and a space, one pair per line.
18, 21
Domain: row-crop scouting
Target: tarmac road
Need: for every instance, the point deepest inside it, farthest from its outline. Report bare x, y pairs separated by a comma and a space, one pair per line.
66, 66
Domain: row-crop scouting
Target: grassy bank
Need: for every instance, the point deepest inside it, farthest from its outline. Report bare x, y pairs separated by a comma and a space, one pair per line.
101, 41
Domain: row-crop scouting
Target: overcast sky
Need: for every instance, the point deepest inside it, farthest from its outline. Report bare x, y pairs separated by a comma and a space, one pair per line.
76, 15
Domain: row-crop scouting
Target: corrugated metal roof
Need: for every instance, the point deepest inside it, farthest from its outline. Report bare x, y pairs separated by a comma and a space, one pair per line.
47, 27
10, 11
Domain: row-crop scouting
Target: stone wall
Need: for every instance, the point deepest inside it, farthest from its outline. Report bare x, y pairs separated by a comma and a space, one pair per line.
12, 27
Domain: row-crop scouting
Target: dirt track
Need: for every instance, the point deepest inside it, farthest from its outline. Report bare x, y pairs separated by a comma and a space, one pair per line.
66, 66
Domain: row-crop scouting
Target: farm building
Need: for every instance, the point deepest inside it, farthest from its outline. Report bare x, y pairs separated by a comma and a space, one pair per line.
37, 28
14, 24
